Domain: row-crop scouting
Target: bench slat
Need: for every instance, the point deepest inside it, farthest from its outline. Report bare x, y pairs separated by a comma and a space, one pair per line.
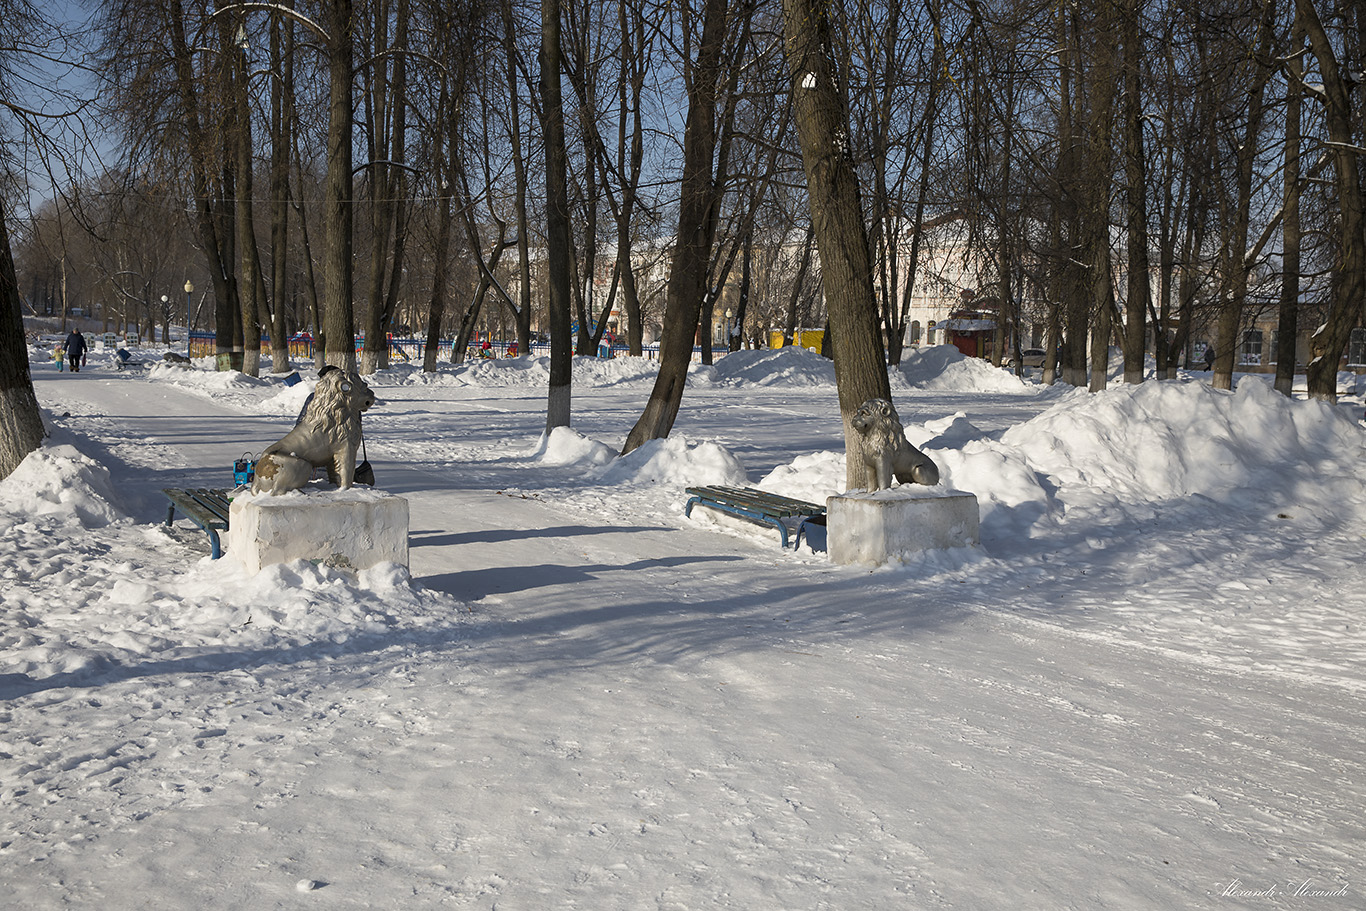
758, 499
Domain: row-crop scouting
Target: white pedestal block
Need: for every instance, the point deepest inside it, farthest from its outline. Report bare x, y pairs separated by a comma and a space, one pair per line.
893, 524
351, 528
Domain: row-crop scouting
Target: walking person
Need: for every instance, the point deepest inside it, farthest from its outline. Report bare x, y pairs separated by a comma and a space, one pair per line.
75, 350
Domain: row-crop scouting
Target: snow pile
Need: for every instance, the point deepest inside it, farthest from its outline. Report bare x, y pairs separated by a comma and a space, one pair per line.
289, 400
564, 447
1162, 441
791, 366
811, 477
59, 484
527, 372
76, 604
1135, 449
943, 368
231, 387
954, 431
207, 382
675, 462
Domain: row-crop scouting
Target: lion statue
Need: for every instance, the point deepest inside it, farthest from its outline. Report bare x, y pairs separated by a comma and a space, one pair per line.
886, 451
327, 436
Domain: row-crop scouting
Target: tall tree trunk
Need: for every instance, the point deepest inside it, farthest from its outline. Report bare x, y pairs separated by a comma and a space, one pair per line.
215, 246
1103, 323
1071, 284
558, 240
338, 317
282, 62
808, 247
1238, 264
310, 278
21, 422
832, 186
523, 307
1287, 324
442, 252
696, 227
631, 152
1139, 292
387, 102
250, 279
735, 332
1329, 340
1099, 178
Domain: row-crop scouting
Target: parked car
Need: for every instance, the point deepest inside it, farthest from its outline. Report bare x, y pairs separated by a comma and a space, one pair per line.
1033, 357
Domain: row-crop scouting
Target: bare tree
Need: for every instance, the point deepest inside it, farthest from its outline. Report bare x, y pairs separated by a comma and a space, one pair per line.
386, 110
1330, 339
836, 212
558, 239
698, 201
21, 424
1238, 260
281, 129
1137, 300
338, 218
1291, 236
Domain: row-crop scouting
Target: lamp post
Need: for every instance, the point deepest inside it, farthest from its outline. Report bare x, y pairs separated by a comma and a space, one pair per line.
189, 322
165, 315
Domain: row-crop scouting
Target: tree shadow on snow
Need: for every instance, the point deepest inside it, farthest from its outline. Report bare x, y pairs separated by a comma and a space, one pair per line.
439, 538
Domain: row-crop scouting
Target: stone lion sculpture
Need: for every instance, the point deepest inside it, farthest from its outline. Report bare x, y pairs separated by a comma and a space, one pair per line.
327, 436
886, 451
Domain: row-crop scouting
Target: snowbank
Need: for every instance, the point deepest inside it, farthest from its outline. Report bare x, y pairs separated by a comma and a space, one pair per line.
791, 366
83, 604
524, 372
943, 368
1133, 447
675, 462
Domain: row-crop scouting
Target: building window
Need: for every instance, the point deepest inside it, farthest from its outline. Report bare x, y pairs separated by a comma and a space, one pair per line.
1250, 353
1356, 348
915, 332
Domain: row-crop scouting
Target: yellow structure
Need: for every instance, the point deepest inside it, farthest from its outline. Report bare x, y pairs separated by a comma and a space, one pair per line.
805, 338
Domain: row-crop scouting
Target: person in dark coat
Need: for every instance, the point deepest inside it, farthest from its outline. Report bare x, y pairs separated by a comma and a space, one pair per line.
75, 350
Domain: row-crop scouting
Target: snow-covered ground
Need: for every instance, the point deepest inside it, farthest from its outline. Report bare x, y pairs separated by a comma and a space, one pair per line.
1146, 688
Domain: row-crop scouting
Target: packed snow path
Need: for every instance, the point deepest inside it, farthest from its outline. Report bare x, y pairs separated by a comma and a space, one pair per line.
602, 706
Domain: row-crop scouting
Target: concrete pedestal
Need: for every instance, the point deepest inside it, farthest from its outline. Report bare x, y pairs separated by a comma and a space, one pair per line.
894, 524
351, 528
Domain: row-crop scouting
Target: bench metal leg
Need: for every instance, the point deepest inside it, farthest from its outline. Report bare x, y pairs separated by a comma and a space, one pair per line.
215, 549
782, 529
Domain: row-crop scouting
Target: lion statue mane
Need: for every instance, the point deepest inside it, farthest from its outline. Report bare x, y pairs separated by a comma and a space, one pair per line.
886, 451
327, 436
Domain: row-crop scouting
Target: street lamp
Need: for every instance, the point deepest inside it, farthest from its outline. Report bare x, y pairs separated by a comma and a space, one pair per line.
189, 323
166, 315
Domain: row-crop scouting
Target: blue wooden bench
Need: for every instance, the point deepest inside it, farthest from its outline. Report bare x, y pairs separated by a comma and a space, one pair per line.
755, 505
207, 508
